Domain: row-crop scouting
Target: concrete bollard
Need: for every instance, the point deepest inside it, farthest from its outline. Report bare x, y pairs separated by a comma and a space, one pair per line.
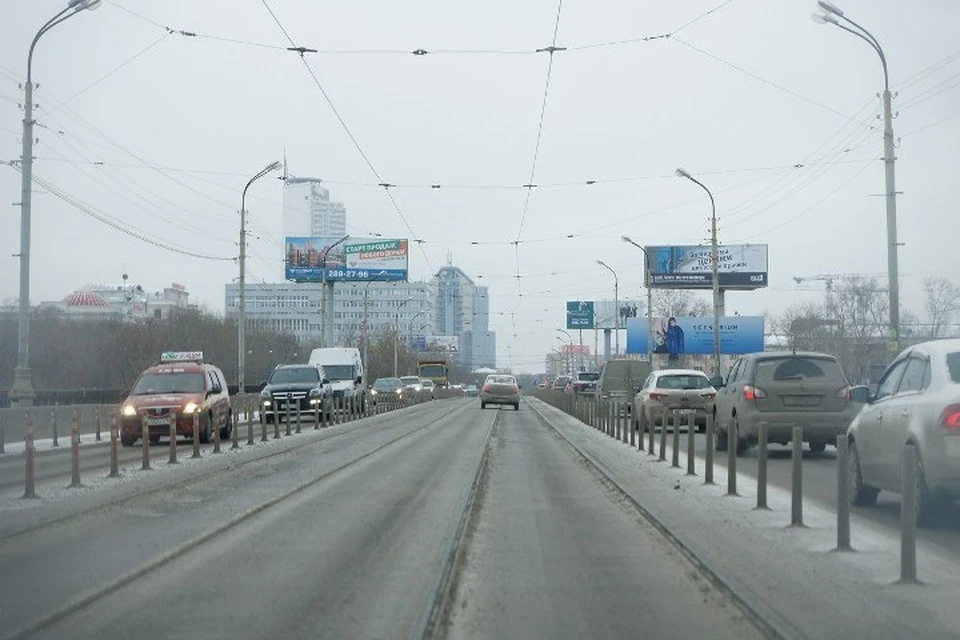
75, 449
663, 437
114, 447
762, 466
3, 438
908, 516
732, 435
651, 437
196, 435
53, 424
96, 421
843, 503
289, 415
145, 443
675, 461
633, 431
173, 439
249, 421
691, 444
28, 456
708, 457
235, 431
625, 426
316, 415
299, 418
263, 427
796, 502
216, 435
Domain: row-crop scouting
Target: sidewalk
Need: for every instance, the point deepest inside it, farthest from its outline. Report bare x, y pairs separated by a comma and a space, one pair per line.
790, 575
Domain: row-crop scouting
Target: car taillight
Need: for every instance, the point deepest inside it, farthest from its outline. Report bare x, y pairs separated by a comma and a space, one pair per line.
657, 396
516, 389
753, 393
843, 393
486, 387
950, 418
708, 396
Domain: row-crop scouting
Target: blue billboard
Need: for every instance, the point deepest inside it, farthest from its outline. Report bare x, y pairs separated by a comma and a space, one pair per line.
694, 335
579, 314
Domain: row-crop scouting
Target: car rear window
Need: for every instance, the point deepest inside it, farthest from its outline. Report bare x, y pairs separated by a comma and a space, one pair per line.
797, 368
682, 382
953, 364
502, 380
588, 377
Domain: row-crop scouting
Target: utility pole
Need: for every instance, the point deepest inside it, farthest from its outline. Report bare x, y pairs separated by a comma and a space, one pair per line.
326, 291
646, 260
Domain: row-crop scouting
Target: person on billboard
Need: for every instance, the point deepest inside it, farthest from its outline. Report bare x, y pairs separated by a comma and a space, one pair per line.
674, 339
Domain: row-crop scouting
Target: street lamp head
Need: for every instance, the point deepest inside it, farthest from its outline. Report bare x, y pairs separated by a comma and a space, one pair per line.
825, 18
681, 173
273, 166
830, 8
626, 239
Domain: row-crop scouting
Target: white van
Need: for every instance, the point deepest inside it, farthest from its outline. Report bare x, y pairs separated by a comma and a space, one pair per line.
344, 368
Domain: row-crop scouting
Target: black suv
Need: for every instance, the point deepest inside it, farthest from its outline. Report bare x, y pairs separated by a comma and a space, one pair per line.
296, 385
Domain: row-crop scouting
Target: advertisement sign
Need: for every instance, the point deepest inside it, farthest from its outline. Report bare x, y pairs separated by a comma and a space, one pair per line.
605, 313
356, 259
739, 266
443, 343
575, 350
579, 314
694, 335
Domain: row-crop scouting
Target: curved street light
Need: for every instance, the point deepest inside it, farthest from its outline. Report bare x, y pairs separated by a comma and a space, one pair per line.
323, 291
242, 318
835, 16
646, 279
21, 392
616, 305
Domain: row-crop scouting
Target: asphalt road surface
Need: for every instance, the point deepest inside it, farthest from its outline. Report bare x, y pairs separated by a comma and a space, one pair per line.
442, 520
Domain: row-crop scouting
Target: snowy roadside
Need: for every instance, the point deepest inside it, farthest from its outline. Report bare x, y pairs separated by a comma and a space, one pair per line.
790, 574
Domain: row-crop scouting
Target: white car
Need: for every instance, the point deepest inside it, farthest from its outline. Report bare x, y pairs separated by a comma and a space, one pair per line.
917, 403
429, 389
687, 390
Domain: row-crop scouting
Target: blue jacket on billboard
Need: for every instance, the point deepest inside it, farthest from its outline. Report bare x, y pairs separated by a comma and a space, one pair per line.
674, 338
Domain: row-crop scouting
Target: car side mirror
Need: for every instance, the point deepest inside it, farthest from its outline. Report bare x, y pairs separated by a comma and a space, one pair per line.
263, 385
359, 379
860, 394
325, 381
717, 382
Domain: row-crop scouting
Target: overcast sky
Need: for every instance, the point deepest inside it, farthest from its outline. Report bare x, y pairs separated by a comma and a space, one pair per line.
159, 132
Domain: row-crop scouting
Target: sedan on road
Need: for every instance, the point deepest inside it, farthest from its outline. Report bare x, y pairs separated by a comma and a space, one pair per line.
386, 390
917, 403
685, 390
500, 389
429, 389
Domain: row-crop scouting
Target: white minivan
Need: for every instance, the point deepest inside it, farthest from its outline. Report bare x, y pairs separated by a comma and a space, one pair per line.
344, 368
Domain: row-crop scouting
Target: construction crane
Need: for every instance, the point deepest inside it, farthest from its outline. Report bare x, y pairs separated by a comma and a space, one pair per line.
828, 278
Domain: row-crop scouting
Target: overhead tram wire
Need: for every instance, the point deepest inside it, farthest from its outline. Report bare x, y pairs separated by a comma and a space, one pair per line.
114, 223
386, 186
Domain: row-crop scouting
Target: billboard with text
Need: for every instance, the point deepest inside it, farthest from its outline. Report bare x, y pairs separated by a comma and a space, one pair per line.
739, 266
694, 335
356, 259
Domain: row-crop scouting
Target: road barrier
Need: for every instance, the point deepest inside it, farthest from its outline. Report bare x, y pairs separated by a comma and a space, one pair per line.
53, 426
675, 462
216, 434
288, 414
762, 466
196, 435
732, 445
29, 453
663, 437
691, 444
114, 446
145, 446
708, 457
3, 437
843, 502
75, 450
96, 419
173, 438
235, 431
796, 501
908, 515
299, 418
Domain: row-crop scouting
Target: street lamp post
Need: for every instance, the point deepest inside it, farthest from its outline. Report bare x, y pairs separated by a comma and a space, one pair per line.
366, 331
714, 267
21, 393
324, 293
616, 304
396, 336
833, 15
242, 318
646, 280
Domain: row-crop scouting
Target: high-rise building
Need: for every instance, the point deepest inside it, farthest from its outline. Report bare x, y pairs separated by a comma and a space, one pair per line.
463, 309
308, 210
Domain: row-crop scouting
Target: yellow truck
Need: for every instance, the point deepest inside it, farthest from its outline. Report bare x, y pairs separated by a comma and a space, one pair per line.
434, 366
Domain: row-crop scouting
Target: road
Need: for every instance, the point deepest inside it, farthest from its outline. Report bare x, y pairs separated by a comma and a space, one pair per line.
441, 520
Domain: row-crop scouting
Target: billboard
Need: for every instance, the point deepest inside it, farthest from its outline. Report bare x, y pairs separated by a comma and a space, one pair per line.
739, 266
356, 259
579, 314
443, 343
694, 335
605, 313
575, 350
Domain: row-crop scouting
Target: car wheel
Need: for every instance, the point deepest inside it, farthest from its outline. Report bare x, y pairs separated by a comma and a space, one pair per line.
858, 493
818, 447
483, 405
207, 429
927, 506
741, 443
126, 440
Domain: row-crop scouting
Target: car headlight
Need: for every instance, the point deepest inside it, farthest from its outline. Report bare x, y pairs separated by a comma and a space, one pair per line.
190, 407
265, 395
373, 392
399, 392
267, 403
129, 410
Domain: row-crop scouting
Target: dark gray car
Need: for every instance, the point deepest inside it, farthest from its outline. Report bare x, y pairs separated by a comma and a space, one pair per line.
293, 387
784, 390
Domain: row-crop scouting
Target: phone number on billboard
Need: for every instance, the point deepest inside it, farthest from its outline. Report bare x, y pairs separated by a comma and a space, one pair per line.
358, 274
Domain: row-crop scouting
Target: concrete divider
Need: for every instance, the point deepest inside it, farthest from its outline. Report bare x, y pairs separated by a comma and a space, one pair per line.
796, 502
843, 502
762, 466
908, 515
29, 453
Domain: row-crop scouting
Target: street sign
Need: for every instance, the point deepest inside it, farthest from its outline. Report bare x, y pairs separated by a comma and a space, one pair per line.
579, 314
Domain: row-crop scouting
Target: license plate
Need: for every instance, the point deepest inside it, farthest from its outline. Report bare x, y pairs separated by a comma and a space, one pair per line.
801, 401
158, 421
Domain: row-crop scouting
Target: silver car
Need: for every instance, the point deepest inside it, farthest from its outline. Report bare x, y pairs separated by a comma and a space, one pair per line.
686, 390
917, 403
500, 389
784, 389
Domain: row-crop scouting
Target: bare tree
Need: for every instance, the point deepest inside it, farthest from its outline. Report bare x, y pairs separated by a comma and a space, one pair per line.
942, 302
679, 302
